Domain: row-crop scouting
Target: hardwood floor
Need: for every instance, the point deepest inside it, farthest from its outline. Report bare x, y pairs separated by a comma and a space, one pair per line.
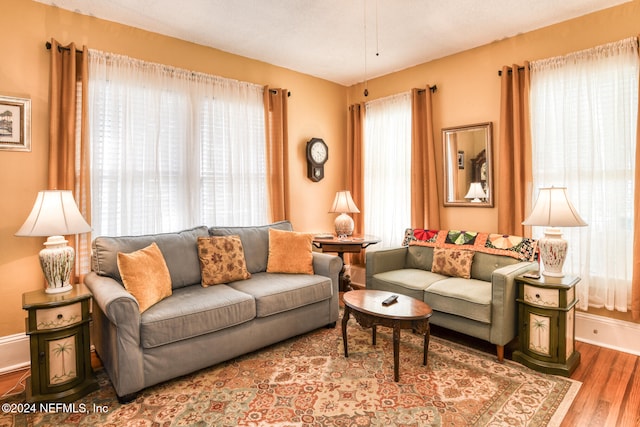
610, 392
609, 396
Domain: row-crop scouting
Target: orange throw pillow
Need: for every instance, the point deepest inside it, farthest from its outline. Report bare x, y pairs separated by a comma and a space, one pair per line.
452, 262
221, 260
290, 252
145, 275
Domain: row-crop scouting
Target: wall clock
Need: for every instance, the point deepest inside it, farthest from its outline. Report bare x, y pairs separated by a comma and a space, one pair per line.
317, 156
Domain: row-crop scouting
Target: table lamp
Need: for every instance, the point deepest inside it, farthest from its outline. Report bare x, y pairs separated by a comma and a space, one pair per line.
344, 204
55, 215
552, 210
476, 192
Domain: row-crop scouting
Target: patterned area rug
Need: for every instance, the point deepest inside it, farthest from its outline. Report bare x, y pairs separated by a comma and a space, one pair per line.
307, 381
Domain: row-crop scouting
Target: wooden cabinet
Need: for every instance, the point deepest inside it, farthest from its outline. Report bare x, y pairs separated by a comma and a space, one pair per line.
546, 308
58, 329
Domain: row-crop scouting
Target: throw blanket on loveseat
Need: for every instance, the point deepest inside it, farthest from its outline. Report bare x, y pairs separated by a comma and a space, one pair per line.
522, 248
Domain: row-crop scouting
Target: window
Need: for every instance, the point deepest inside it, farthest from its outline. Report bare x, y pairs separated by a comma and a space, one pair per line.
387, 168
584, 109
173, 149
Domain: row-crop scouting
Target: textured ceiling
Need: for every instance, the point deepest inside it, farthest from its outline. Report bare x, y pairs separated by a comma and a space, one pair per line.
326, 38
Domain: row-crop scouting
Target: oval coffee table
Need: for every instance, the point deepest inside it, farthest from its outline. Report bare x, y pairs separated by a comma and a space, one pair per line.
406, 313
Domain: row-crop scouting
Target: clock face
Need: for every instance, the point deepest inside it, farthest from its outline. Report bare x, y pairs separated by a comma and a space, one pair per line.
319, 152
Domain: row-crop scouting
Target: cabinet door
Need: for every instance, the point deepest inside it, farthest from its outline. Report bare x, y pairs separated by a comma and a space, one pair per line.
60, 359
539, 333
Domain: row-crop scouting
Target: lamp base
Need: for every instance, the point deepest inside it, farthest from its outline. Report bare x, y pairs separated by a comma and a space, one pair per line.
344, 225
57, 260
553, 252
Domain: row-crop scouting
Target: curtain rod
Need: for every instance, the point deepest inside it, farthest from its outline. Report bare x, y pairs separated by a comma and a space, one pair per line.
48, 46
510, 70
433, 89
274, 91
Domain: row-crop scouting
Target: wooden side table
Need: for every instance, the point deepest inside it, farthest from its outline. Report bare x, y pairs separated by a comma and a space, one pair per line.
58, 329
547, 324
353, 245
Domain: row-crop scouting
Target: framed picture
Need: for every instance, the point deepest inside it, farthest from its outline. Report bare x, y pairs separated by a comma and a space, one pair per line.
15, 124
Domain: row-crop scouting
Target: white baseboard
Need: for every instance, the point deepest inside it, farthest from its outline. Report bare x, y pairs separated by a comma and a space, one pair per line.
609, 333
14, 353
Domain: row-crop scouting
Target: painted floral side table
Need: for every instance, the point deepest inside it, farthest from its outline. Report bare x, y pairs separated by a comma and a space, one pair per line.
58, 329
547, 324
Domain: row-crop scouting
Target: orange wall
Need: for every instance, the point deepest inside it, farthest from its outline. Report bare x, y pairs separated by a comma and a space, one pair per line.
316, 109
468, 92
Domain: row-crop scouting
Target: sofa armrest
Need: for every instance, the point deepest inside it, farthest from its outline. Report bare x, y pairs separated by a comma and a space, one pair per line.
116, 327
389, 259
327, 265
504, 312
120, 307
330, 266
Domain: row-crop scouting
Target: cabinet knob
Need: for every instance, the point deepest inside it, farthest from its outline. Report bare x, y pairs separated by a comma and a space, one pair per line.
41, 357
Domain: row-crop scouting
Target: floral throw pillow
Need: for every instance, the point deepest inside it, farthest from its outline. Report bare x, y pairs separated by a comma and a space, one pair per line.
452, 262
221, 260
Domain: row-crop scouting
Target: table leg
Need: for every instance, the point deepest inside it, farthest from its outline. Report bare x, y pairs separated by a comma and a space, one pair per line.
345, 319
373, 335
396, 353
344, 280
426, 343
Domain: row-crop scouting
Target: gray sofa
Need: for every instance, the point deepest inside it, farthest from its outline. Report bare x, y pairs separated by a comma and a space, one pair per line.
198, 326
482, 306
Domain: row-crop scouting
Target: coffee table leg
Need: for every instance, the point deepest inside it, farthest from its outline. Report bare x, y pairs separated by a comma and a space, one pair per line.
426, 342
345, 319
373, 335
396, 353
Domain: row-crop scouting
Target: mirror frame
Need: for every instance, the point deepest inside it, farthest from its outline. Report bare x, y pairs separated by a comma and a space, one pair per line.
452, 163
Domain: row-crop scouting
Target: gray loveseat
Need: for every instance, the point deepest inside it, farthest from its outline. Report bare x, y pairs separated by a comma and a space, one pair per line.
483, 305
198, 326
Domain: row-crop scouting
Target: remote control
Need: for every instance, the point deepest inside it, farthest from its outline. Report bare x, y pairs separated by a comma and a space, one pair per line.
390, 300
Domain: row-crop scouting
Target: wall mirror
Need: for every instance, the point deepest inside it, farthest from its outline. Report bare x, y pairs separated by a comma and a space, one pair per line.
468, 178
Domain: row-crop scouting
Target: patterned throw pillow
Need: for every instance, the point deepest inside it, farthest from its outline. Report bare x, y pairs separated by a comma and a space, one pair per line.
290, 252
221, 260
145, 275
452, 262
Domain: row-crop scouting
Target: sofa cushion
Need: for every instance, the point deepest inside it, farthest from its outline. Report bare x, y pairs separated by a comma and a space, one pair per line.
145, 275
408, 281
180, 252
221, 260
255, 241
192, 311
485, 264
279, 292
468, 298
290, 252
419, 257
452, 262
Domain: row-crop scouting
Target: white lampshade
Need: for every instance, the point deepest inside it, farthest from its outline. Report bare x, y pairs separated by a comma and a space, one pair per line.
476, 192
553, 209
55, 214
344, 204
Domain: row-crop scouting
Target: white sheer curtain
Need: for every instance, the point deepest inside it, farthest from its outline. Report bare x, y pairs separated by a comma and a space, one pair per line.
172, 148
387, 168
583, 120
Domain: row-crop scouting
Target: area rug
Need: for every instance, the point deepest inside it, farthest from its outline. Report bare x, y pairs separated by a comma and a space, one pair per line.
307, 381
